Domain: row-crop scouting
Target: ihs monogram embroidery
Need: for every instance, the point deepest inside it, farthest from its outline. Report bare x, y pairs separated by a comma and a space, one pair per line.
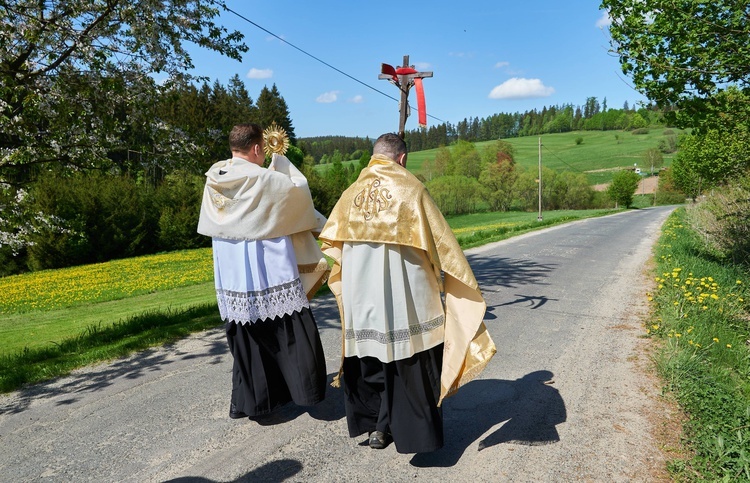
373, 199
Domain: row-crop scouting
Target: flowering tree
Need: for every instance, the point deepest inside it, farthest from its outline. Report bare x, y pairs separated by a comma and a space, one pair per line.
76, 75
77, 91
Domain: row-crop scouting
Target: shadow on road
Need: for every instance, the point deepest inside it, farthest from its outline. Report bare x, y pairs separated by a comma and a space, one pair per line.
329, 409
274, 471
529, 407
496, 273
149, 360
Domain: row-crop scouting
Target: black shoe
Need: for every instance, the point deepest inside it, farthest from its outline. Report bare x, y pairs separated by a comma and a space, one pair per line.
379, 440
234, 414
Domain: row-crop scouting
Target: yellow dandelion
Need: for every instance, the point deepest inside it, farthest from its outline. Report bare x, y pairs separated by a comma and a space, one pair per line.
729, 346
716, 339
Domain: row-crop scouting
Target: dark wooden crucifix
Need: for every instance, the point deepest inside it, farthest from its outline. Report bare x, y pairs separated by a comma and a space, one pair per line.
404, 78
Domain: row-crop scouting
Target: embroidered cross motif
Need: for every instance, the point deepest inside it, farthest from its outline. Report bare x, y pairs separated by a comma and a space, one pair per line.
373, 199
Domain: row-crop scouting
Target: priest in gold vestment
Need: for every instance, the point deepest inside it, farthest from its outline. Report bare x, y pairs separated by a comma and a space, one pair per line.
405, 348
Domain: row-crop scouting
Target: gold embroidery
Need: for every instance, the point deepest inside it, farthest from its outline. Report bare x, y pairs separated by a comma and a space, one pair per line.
373, 199
219, 200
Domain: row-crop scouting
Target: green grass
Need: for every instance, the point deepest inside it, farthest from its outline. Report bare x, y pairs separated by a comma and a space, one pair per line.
42, 328
103, 342
70, 334
600, 150
86, 284
480, 228
702, 315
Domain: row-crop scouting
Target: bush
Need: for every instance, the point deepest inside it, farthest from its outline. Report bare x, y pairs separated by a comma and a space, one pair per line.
179, 198
723, 219
622, 188
640, 130
579, 140
668, 144
89, 218
455, 194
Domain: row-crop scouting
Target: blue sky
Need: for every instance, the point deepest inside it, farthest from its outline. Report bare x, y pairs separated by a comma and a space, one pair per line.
486, 57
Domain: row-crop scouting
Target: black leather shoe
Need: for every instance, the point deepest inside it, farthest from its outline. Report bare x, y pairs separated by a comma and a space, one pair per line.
234, 414
379, 440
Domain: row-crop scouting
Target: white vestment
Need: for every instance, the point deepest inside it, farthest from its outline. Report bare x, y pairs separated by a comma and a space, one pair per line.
391, 301
257, 280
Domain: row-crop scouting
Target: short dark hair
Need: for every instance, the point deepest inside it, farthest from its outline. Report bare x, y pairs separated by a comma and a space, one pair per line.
245, 136
390, 145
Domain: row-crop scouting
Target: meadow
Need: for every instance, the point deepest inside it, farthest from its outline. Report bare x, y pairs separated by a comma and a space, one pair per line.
599, 155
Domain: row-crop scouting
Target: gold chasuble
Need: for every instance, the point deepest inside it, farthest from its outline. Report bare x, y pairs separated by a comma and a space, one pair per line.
387, 204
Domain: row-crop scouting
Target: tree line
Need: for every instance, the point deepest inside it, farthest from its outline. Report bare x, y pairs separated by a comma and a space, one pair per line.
592, 116
553, 119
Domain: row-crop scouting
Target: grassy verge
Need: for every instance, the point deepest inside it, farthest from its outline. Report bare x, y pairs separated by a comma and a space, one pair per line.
99, 343
97, 310
702, 313
482, 228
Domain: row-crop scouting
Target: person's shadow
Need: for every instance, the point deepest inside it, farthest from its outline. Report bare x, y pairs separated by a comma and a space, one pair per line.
331, 408
529, 407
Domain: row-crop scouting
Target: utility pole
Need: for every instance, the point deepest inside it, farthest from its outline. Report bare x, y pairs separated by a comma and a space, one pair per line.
404, 78
539, 218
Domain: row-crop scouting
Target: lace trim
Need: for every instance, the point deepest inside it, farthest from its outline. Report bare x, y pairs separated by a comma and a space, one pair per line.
399, 335
249, 307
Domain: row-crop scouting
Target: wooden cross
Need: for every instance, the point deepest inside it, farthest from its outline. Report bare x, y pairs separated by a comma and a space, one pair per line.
404, 78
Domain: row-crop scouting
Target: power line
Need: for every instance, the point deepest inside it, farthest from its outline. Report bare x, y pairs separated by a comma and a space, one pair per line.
560, 159
319, 60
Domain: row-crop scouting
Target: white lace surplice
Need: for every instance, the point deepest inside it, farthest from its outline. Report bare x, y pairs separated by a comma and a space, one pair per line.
256, 280
378, 324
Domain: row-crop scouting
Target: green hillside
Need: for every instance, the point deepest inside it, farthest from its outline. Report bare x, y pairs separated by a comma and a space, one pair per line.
600, 150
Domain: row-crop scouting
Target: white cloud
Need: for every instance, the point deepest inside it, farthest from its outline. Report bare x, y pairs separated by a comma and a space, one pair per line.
500, 65
328, 97
519, 88
604, 20
422, 65
259, 73
358, 99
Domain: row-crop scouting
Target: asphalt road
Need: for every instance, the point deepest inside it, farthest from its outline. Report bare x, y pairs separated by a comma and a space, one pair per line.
564, 399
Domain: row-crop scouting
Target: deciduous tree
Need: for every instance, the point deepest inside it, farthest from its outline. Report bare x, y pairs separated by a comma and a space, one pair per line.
72, 72
622, 188
682, 53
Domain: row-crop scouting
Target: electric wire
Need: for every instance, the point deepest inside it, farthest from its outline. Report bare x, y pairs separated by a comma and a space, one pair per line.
560, 159
320, 60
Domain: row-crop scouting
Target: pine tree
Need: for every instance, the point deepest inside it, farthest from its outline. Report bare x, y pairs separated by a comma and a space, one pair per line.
272, 108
